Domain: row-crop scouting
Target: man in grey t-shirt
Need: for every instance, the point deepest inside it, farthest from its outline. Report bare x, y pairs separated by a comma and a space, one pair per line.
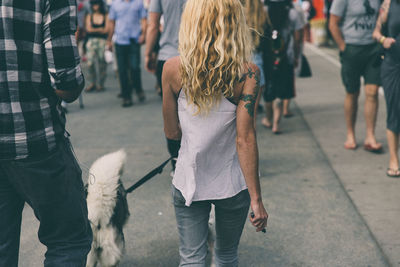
172, 12
351, 24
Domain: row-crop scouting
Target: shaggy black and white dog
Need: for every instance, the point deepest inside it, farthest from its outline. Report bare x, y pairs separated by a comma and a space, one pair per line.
108, 210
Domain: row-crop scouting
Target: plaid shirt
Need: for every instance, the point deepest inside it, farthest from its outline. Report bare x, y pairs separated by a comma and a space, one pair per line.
37, 54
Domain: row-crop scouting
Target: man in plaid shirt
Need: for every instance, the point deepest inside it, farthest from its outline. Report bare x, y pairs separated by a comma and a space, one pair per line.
39, 67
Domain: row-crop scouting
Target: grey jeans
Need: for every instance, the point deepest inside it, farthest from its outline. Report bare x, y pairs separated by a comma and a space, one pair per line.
230, 217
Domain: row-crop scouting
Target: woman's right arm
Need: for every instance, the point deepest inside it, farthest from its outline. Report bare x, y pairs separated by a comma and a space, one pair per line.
246, 143
382, 19
170, 106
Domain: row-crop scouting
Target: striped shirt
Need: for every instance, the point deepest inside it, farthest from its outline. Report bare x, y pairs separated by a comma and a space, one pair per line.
37, 54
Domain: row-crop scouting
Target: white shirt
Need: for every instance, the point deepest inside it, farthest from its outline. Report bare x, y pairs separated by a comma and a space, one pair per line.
208, 165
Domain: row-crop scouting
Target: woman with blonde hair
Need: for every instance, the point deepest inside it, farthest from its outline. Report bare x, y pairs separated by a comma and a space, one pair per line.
210, 95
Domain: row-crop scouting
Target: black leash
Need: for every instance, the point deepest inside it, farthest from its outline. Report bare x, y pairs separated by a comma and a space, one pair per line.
148, 176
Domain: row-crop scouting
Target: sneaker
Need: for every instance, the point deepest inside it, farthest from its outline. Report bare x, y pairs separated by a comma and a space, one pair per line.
141, 97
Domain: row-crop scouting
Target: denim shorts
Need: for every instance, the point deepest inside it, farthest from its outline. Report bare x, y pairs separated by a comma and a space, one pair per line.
257, 59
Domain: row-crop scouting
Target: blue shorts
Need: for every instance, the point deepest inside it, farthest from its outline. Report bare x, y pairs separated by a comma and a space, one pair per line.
257, 59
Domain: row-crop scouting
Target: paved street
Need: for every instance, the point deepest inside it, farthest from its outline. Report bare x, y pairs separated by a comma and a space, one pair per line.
327, 206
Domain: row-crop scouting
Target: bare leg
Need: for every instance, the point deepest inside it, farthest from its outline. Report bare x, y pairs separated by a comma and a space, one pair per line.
393, 142
266, 121
370, 112
278, 106
286, 105
350, 111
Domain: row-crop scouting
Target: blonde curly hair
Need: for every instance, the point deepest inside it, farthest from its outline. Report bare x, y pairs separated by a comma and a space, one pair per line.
214, 44
256, 17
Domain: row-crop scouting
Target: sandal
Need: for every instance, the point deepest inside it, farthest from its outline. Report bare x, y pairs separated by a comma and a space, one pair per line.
288, 115
393, 173
127, 103
378, 149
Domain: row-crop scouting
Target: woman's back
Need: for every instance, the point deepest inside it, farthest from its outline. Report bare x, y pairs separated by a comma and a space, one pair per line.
208, 166
210, 95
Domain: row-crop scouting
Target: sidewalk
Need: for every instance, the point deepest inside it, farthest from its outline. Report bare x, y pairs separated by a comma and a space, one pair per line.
312, 221
362, 174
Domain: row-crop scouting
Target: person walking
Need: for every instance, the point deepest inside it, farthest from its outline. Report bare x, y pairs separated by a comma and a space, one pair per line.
40, 66
390, 73
171, 11
257, 20
128, 21
351, 24
281, 59
97, 32
212, 86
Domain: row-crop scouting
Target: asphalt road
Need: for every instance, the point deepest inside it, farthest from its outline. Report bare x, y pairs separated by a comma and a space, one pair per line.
327, 206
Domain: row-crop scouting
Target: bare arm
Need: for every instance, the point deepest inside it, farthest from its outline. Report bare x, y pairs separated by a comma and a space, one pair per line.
382, 19
142, 37
170, 106
246, 143
334, 23
69, 96
111, 29
153, 26
106, 29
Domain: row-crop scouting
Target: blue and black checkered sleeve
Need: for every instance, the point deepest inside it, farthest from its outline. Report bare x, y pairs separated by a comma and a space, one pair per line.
59, 26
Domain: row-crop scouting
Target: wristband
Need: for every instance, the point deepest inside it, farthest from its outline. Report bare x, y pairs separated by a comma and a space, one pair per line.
382, 39
173, 147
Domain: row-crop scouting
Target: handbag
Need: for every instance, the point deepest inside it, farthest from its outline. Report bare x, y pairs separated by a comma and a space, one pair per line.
305, 69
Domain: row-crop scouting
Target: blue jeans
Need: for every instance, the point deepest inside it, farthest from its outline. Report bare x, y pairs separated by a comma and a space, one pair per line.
128, 61
230, 217
52, 185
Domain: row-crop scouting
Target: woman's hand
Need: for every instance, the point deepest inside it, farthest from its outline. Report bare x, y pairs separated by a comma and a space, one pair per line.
259, 215
388, 42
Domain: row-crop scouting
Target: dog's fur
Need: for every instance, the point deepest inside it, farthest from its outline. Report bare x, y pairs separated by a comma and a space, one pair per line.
107, 209
108, 212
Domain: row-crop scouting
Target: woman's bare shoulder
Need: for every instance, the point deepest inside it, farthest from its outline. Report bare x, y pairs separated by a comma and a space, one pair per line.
171, 74
172, 64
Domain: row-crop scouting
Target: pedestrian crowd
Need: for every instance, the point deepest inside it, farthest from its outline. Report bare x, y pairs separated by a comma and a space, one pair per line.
201, 53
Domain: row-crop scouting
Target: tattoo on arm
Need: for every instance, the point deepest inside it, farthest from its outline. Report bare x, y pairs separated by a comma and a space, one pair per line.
383, 12
250, 99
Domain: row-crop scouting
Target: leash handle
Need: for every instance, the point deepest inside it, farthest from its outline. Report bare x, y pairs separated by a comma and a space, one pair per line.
148, 176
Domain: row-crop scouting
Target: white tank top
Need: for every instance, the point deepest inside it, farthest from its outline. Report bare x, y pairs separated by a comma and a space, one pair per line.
208, 166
